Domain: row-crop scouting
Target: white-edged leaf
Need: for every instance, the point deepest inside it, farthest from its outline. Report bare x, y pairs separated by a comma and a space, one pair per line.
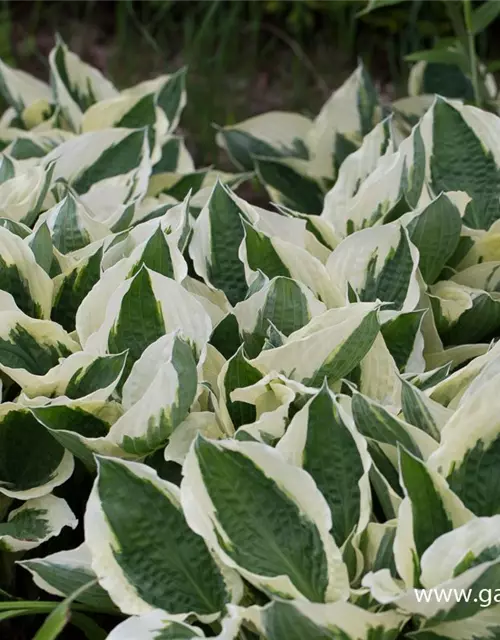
356, 168
34, 522
275, 133
30, 348
44, 466
176, 573
429, 510
378, 264
76, 84
22, 276
330, 346
157, 395
21, 89
64, 572
322, 439
265, 517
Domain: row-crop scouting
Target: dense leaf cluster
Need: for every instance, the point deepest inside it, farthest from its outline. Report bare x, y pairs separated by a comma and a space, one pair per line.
286, 418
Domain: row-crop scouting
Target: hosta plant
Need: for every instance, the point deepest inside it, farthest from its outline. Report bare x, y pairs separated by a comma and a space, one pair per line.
231, 422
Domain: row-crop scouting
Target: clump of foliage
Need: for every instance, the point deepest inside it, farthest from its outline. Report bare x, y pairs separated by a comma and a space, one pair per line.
231, 422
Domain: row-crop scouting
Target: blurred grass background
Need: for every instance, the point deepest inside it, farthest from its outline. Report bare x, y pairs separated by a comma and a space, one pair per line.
244, 56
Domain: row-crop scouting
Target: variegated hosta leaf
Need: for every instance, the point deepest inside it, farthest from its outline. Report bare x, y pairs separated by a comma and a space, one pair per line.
73, 285
378, 547
17, 228
425, 413
429, 379
285, 303
159, 626
433, 345
462, 155
170, 93
7, 167
175, 571
214, 248
157, 243
140, 310
174, 158
34, 522
476, 246
264, 250
20, 89
323, 440
81, 426
469, 448
435, 231
377, 375
450, 390
273, 134
485, 372
40, 243
356, 168
45, 465
297, 620
378, 264
30, 348
464, 314
350, 113
171, 97
456, 356
41, 117
429, 510
33, 145
480, 276
394, 186
80, 375
404, 339
461, 549
63, 572
288, 182
272, 397
179, 443
76, 84
22, 277
330, 346
109, 168
160, 253
265, 517
236, 372
450, 80
22, 193
71, 225
157, 395
130, 112
375, 422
